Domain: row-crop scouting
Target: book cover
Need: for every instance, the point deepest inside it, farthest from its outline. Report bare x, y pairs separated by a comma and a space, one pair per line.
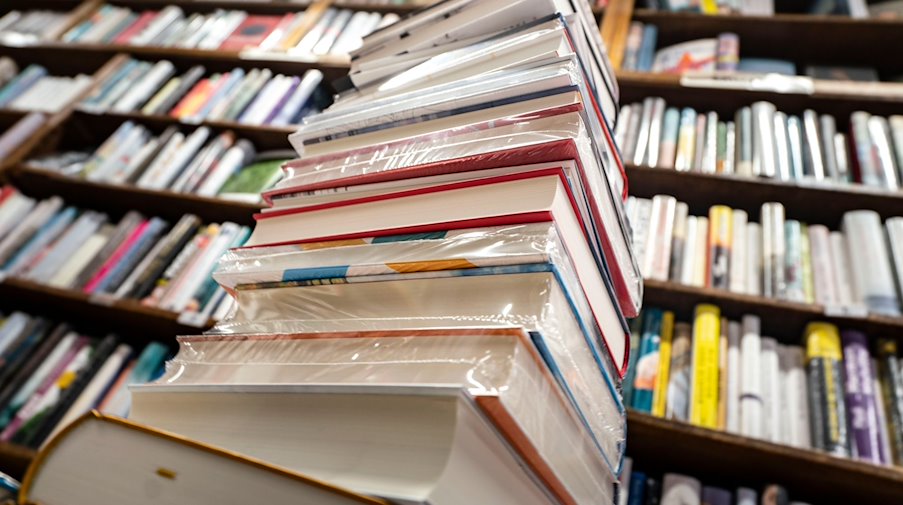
678, 242
827, 406
771, 390
647, 56
751, 403
250, 33
706, 333
891, 379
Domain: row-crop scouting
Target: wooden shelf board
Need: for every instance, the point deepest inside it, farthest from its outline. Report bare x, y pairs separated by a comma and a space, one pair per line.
127, 318
15, 459
801, 201
118, 199
809, 475
782, 319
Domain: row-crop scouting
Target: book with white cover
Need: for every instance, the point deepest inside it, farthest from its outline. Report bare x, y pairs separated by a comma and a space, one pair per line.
661, 232
99, 459
688, 265
824, 276
433, 445
870, 263
846, 296
734, 364
497, 366
894, 227
752, 422
739, 252
700, 260
771, 390
680, 489
145, 88
678, 242
795, 411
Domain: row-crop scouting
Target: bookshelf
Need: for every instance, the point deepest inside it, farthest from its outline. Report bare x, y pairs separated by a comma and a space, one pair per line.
691, 449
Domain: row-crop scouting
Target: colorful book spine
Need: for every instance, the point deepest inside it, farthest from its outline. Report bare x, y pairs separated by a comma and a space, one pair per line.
648, 361
678, 402
827, 407
706, 334
891, 380
660, 395
719, 246
860, 398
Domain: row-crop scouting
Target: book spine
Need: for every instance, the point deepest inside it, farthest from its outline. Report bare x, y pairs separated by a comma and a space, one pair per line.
751, 405
860, 398
669, 138
701, 261
884, 436
728, 55
679, 380
719, 247
812, 140
793, 262
771, 390
634, 43
722, 374
827, 408
734, 363
689, 253
661, 232
739, 255
773, 250
840, 264
710, 145
823, 279
806, 253
648, 362
686, 141
892, 389
678, 241
879, 132
660, 395
754, 259
782, 147
827, 131
870, 267
640, 151
699, 152
704, 399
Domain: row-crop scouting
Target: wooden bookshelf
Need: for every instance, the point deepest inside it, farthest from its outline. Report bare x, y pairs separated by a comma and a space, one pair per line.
801, 200
668, 446
782, 319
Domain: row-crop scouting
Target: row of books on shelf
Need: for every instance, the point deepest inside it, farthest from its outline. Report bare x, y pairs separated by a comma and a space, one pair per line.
832, 394
33, 89
640, 487
856, 270
887, 9
138, 257
255, 97
53, 374
721, 54
761, 141
330, 32
200, 163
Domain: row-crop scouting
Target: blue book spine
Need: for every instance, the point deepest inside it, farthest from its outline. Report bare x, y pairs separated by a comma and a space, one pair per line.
48, 232
135, 253
647, 48
149, 362
234, 79
647, 361
21, 83
637, 494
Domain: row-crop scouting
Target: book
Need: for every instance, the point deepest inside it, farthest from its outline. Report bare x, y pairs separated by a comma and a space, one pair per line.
175, 456
252, 31
771, 392
704, 401
719, 247
859, 397
751, 390
695, 55
827, 406
889, 377
679, 378
871, 272
648, 362
680, 489
662, 379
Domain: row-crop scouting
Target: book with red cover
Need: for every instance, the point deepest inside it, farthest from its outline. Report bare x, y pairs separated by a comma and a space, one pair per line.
135, 28
525, 197
250, 33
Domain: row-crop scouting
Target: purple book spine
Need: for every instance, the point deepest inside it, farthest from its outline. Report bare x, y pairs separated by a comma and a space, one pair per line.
860, 396
282, 101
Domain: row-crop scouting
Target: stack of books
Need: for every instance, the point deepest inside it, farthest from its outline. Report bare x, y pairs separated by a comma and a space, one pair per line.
201, 162
315, 32
432, 308
856, 270
760, 141
135, 257
33, 89
832, 394
52, 374
641, 487
256, 97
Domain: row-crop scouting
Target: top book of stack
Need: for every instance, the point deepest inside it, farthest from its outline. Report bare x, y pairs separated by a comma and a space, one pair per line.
432, 308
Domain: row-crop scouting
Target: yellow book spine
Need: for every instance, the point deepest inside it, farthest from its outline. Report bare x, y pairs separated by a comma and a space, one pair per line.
709, 7
706, 340
722, 375
721, 221
660, 394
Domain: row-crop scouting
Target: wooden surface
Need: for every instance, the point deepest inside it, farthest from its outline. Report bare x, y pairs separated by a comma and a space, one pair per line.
781, 319
733, 461
14, 460
802, 201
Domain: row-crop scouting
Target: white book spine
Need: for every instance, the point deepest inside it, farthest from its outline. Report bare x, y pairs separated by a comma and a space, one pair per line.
754, 261
151, 176
881, 411
661, 231
870, 265
813, 145
764, 154
894, 228
782, 147
640, 227
734, 365
771, 388
710, 145
621, 127
827, 131
655, 131
678, 241
773, 250
640, 152
823, 266
164, 18
739, 252
231, 161
879, 132
687, 268
846, 295
143, 89
751, 378
799, 404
